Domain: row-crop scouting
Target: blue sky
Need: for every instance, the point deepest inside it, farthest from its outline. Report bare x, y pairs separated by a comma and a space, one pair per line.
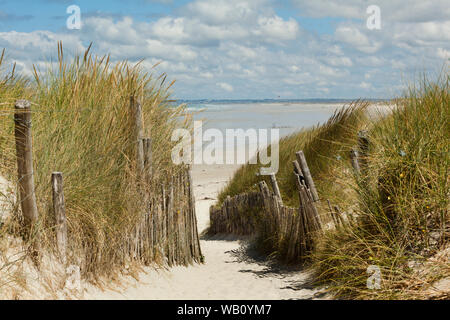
241, 49
51, 14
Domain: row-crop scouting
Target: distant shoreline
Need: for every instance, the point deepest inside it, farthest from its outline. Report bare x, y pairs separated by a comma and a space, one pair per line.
273, 101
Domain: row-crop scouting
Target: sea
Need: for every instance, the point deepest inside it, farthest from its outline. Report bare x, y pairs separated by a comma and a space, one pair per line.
288, 116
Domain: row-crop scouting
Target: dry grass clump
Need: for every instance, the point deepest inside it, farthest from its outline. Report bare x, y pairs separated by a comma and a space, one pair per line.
402, 205
81, 127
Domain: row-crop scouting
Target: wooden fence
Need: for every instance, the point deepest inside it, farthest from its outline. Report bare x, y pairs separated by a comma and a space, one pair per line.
238, 215
167, 227
288, 231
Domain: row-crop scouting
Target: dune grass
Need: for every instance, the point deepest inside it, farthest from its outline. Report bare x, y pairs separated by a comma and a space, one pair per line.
81, 127
400, 201
402, 204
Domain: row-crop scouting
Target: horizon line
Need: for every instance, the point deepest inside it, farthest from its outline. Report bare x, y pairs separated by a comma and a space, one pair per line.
280, 100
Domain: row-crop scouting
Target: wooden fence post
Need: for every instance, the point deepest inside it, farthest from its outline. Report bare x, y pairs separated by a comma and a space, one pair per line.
59, 210
363, 143
354, 159
136, 118
148, 158
170, 225
297, 168
24, 154
147, 227
276, 189
264, 189
137, 132
197, 248
307, 174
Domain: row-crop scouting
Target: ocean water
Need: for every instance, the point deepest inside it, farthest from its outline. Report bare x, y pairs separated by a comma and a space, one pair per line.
287, 116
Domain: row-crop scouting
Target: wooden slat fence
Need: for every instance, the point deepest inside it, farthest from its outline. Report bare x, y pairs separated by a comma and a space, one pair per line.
167, 227
230, 218
288, 231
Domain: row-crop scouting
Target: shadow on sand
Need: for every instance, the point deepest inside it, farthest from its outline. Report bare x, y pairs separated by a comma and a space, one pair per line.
295, 277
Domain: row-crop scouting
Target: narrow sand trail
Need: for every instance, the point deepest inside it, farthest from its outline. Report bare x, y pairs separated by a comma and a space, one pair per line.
229, 271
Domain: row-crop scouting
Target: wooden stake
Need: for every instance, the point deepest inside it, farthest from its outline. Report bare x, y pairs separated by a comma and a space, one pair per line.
363, 143
354, 159
307, 174
24, 154
198, 251
276, 189
264, 189
148, 158
59, 210
297, 168
170, 229
136, 112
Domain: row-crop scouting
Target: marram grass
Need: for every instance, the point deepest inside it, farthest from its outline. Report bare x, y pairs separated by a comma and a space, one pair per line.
401, 200
81, 127
402, 205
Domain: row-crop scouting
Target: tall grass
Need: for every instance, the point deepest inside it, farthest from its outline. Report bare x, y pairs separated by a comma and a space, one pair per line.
403, 203
81, 127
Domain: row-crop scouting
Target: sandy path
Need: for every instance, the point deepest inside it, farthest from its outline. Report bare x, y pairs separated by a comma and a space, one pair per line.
228, 273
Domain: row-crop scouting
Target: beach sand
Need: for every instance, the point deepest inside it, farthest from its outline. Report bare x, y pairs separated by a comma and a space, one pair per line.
230, 270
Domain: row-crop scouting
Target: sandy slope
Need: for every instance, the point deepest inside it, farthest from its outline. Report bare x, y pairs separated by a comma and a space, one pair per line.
228, 273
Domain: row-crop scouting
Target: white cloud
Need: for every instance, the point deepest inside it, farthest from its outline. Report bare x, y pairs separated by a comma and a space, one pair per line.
225, 86
225, 12
329, 8
243, 48
424, 31
443, 54
170, 29
391, 10
275, 28
208, 23
365, 85
353, 36
341, 62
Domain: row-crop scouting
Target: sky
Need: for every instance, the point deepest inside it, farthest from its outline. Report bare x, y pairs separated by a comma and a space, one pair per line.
244, 49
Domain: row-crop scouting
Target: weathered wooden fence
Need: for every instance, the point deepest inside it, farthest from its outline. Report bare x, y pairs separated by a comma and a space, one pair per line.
288, 231
166, 229
230, 218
